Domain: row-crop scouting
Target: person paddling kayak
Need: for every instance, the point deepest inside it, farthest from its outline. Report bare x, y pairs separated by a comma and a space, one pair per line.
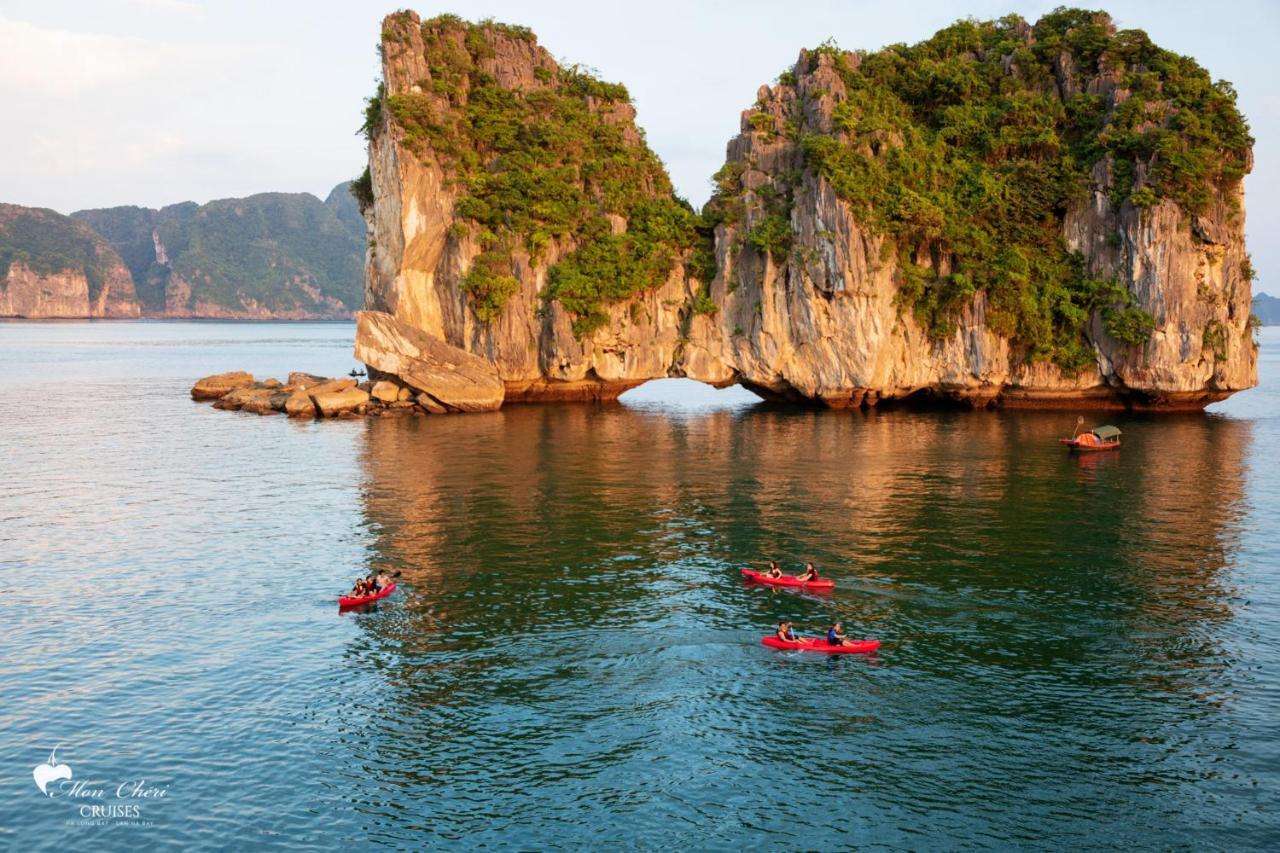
382, 581
773, 571
836, 636
785, 633
809, 574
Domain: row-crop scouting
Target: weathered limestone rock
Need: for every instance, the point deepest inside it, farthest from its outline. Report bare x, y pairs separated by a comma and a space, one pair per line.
253, 397
387, 392
823, 324
336, 402
454, 378
261, 403
304, 380
299, 405
429, 403
332, 385
417, 259
218, 385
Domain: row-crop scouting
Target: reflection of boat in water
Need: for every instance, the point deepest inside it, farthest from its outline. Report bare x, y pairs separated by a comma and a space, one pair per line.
1098, 438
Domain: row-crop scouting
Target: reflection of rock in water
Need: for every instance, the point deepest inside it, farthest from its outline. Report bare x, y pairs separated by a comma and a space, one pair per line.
950, 499
572, 588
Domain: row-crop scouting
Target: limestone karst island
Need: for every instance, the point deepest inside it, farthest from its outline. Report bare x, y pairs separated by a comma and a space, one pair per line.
1013, 214
639, 426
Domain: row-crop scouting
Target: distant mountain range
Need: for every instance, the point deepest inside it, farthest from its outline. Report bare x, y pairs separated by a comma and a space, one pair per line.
1267, 308
267, 256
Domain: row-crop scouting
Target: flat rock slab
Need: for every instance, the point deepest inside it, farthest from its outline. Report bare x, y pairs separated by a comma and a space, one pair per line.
332, 403
250, 397
456, 379
220, 384
298, 379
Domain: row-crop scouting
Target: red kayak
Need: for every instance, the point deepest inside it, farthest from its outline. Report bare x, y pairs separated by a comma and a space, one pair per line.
353, 600
820, 644
787, 580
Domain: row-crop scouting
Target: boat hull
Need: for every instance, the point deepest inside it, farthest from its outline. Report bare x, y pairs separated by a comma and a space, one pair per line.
788, 581
356, 601
820, 645
1073, 444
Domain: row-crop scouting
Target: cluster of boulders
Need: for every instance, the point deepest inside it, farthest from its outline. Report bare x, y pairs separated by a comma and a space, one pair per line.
410, 373
308, 396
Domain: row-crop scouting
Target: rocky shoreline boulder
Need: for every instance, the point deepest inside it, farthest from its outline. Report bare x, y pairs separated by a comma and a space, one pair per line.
454, 378
220, 384
306, 395
333, 403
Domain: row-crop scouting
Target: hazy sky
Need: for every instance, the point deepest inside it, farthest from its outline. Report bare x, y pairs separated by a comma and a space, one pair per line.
151, 102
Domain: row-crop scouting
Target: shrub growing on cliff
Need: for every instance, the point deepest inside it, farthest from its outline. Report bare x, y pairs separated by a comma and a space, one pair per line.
961, 150
1214, 339
1130, 325
490, 283
362, 190
373, 113
772, 235
704, 304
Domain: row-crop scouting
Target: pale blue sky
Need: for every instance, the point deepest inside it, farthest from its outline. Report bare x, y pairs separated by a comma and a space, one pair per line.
156, 101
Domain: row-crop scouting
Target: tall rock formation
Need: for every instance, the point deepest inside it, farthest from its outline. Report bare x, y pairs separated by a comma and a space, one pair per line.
992, 214
54, 267
517, 214
1026, 215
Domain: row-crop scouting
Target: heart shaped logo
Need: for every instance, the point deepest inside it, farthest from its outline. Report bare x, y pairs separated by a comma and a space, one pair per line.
46, 773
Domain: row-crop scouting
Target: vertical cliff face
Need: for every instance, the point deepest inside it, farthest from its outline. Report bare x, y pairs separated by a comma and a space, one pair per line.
1012, 214
516, 213
52, 267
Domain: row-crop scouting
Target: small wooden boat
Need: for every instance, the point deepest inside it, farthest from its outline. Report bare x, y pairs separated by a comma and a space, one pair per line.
1098, 438
357, 373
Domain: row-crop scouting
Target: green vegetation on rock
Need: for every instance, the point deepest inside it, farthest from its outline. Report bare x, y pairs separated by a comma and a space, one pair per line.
964, 152
46, 242
558, 162
267, 254
490, 283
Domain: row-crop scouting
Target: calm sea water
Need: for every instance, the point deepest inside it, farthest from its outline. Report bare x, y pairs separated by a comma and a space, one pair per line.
1078, 651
